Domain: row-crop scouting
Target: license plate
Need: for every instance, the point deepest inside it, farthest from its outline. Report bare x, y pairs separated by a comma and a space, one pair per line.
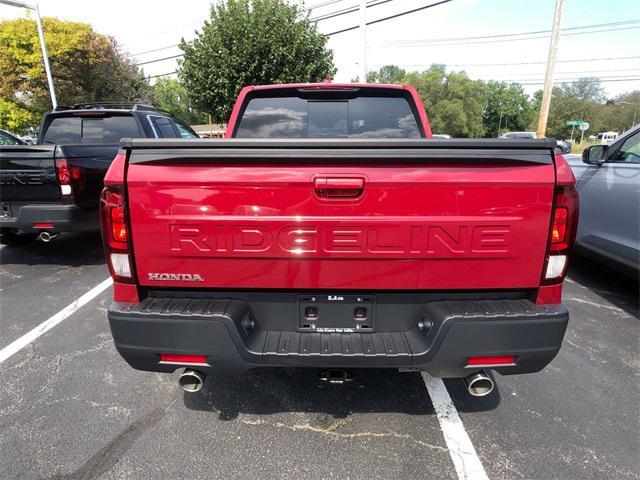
336, 313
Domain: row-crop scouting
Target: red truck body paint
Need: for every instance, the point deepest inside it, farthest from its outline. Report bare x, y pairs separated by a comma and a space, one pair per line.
427, 227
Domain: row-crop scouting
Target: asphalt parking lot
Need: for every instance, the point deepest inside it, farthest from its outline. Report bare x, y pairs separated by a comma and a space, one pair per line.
71, 408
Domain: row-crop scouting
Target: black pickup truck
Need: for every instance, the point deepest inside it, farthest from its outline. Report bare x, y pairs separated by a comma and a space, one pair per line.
55, 186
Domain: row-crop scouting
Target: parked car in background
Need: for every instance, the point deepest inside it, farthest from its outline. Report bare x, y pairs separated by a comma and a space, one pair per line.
522, 135
608, 181
329, 231
563, 146
606, 138
8, 138
55, 186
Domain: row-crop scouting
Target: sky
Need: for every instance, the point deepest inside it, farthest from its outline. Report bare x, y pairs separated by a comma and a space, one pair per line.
435, 35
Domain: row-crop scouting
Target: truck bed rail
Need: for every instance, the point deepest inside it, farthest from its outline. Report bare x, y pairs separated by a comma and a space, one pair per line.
334, 151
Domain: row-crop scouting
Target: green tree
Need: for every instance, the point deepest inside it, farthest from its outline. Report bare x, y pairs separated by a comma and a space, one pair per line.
15, 118
251, 42
454, 102
622, 112
508, 108
387, 74
580, 100
86, 66
170, 95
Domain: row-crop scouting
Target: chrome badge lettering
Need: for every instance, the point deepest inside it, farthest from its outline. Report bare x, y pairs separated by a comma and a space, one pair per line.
179, 277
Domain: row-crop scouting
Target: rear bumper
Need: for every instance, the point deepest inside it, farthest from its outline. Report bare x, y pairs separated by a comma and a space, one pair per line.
460, 329
63, 218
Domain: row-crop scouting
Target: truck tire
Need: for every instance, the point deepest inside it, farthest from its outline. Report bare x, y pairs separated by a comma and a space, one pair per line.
16, 239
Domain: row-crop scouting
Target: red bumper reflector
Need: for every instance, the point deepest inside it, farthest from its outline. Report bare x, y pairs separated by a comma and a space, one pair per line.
177, 358
503, 360
43, 225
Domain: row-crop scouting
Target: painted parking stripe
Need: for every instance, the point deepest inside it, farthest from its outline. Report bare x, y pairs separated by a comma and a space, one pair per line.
51, 322
464, 456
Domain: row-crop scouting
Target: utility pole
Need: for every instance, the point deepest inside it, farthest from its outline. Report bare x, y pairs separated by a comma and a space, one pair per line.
551, 63
43, 46
363, 29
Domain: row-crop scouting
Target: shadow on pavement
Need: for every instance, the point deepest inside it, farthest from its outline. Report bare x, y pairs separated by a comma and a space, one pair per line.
617, 288
265, 392
69, 249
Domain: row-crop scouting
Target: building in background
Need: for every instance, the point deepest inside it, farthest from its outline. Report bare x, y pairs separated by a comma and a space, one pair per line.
215, 130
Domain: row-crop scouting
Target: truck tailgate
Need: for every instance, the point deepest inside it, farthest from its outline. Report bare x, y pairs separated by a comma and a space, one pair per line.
27, 172
340, 215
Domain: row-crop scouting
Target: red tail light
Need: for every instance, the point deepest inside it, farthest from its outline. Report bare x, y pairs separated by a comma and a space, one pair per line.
562, 235
70, 177
115, 227
113, 202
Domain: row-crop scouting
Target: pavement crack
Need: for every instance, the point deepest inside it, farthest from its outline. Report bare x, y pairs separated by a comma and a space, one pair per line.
107, 457
611, 308
331, 431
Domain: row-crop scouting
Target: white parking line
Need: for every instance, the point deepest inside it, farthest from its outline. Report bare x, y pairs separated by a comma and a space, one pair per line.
48, 324
464, 456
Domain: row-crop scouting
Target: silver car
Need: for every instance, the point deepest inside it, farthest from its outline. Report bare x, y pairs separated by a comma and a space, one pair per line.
563, 145
608, 182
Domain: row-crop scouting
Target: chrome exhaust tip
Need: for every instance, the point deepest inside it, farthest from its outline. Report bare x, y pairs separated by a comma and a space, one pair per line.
335, 376
46, 237
191, 381
479, 384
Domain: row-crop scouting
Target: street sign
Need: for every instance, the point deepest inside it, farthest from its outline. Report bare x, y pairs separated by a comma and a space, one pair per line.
573, 123
584, 126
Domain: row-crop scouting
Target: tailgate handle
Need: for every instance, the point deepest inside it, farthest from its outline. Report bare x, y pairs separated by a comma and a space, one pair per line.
339, 187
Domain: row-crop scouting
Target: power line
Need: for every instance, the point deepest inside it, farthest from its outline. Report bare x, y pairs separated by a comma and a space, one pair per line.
326, 35
391, 17
602, 59
561, 81
505, 35
160, 59
322, 4
630, 79
535, 78
345, 11
175, 29
458, 65
443, 44
155, 50
327, 16
308, 9
163, 74
589, 72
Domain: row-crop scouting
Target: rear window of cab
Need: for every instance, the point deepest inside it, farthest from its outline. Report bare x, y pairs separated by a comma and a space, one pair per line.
328, 115
91, 129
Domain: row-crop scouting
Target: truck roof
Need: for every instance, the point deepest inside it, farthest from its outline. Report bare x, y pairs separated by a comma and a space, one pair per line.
329, 86
112, 106
323, 87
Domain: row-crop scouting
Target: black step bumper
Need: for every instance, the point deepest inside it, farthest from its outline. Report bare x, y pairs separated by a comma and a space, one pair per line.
218, 330
64, 218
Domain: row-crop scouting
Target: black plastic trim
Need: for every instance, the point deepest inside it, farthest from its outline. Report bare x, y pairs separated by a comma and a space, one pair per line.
65, 218
458, 330
327, 151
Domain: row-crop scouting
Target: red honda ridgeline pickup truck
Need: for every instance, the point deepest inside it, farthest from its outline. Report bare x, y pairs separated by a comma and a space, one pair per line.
330, 231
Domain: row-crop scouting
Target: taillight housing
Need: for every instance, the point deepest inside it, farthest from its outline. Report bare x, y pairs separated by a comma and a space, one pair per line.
115, 232
562, 234
70, 177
